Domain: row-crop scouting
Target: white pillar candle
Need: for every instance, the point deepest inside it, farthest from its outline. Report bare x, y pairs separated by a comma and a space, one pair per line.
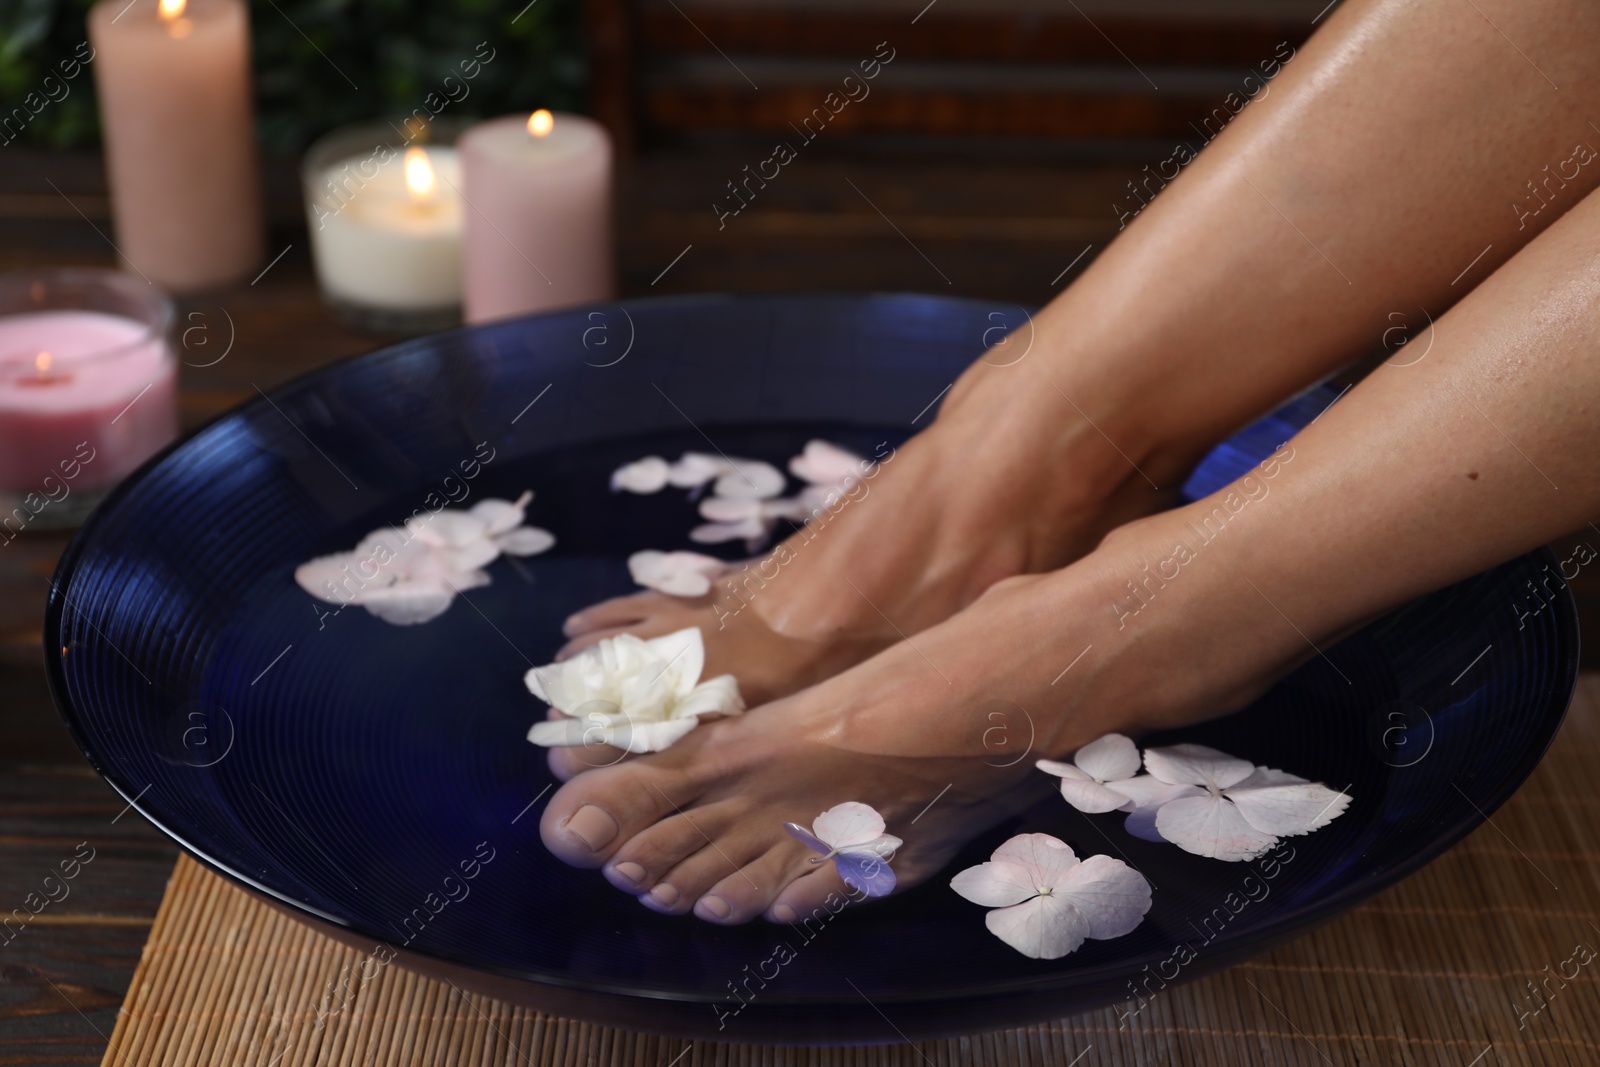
175, 103
538, 216
386, 229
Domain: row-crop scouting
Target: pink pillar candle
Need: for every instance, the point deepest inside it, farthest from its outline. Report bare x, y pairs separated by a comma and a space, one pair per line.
175, 104
85, 397
538, 214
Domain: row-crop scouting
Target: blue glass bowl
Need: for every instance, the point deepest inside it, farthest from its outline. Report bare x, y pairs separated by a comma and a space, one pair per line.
355, 773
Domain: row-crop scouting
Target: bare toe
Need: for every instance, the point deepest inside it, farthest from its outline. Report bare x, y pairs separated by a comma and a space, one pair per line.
638, 865
748, 893
593, 815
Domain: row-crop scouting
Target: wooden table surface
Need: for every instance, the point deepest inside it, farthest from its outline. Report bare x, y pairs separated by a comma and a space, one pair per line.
964, 227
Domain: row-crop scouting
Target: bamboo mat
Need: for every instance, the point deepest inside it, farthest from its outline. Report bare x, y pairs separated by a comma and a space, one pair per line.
1441, 969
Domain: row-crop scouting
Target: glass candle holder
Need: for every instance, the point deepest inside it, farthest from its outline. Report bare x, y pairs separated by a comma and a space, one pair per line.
385, 212
88, 390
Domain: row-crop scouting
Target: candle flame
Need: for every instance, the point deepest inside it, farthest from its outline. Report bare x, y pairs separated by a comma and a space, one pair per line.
171, 9
41, 363
420, 179
541, 122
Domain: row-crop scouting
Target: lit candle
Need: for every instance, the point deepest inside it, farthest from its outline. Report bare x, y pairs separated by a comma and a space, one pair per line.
385, 228
175, 104
538, 232
86, 394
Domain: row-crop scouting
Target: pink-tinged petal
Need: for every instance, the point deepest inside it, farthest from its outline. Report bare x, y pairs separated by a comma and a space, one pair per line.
1109, 759
749, 479
1111, 895
1061, 770
1196, 765
1046, 859
675, 573
726, 509
647, 475
1092, 797
1268, 776
1141, 822
1142, 789
1211, 826
715, 533
407, 603
995, 884
825, 463
695, 469
501, 515
525, 541
1044, 928
447, 529
332, 579
850, 823
1289, 810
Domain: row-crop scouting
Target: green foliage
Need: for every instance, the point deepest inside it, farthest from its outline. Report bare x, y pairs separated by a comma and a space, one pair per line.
325, 63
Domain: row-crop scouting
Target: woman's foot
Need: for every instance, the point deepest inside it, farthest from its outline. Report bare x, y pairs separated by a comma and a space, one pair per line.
938, 521
1053, 661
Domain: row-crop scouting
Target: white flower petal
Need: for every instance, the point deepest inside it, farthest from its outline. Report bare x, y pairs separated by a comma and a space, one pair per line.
1044, 928
647, 475
726, 509
647, 736
1061, 770
717, 532
695, 469
1092, 797
558, 733
448, 528
407, 603
824, 463
332, 579
685, 574
1211, 826
849, 823
525, 541
1046, 859
1196, 765
681, 656
1140, 789
995, 884
1111, 895
1109, 759
749, 479
501, 515
1141, 822
1288, 810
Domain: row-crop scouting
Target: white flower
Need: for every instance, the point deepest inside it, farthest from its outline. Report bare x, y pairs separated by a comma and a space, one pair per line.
410, 576
1093, 781
1214, 805
675, 573
825, 464
647, 475
1046, 902
852, 836
638, 695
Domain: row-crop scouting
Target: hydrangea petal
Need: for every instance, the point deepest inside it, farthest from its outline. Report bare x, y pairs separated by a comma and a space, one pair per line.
866, 872
1108, 759
1045, 858
1141, 822
825, 463
695, 469
1061, 770
525, 541
1190, 764
1092, 798
1044, 928
501, 515
717, 532
1213, 826
1112, 896
407, 603
850, 823
327, 578
1141, 789
995, 884
685, 574
749, 479
643, 476
1289, 810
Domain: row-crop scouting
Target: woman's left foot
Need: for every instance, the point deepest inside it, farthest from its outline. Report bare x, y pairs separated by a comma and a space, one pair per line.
938, 733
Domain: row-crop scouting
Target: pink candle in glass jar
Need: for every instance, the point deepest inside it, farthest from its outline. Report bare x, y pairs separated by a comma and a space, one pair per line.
86, 395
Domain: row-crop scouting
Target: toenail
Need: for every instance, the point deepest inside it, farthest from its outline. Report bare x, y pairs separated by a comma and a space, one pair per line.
663, 895
630, 874
593, 826
712, 908
783, 913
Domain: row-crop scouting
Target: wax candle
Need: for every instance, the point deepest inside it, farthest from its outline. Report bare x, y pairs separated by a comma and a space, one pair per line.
385, 222
173, 78
538, 233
